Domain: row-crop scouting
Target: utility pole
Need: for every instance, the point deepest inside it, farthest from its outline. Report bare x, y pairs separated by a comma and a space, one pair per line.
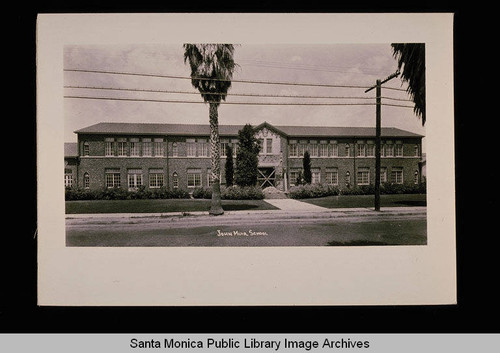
378, 123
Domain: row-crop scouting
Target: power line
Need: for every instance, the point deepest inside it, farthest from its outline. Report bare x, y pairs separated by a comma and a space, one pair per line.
217, 93
231, 103
227, 94
183, 101
214, 79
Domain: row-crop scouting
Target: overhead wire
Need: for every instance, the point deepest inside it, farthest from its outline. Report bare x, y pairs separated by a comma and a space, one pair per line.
227, 94
215, 79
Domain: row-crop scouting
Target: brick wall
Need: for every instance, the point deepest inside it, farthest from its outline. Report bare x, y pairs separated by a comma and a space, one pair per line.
96, 163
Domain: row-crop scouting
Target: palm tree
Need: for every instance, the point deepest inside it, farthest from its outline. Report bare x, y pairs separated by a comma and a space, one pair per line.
212, 67
411, 63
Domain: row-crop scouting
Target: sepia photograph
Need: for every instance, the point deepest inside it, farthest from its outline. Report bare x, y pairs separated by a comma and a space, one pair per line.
245, 145
268, 159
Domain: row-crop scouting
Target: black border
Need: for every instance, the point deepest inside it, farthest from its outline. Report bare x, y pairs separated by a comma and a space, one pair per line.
476, 260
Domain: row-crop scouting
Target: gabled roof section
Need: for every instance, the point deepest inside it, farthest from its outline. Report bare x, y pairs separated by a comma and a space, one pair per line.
268, 126
329, 131
232, 130
70, 149
157, 129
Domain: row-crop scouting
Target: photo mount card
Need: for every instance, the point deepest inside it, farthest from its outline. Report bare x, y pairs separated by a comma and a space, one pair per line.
89, 255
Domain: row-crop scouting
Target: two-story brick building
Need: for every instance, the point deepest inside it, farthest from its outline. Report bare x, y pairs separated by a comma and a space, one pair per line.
129, 155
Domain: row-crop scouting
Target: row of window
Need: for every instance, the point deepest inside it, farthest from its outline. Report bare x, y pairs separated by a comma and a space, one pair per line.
201, 148
135, 178
362, 150
194, 177
362, 176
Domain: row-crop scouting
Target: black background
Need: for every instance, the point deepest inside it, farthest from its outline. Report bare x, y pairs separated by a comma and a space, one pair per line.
477, 230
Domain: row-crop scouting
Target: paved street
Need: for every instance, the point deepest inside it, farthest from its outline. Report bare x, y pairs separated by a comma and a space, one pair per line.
295, 224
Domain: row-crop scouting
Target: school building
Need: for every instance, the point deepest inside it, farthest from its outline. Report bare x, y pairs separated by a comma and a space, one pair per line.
131, 155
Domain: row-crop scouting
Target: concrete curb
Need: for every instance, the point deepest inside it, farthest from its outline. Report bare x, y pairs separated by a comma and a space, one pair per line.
278, 213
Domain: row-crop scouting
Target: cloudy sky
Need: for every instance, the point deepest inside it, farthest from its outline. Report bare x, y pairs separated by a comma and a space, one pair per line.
342, 64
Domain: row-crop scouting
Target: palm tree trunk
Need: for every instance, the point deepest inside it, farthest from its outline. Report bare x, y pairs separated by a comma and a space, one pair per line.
216, 206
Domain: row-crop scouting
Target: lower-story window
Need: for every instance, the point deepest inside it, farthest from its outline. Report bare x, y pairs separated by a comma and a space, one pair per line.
332, 176
315, 176
193, 178
363, 176
134, 178
155, 178
397, 175
112, 178
294, 175
86, 180
68, 178
383, 174
175, 180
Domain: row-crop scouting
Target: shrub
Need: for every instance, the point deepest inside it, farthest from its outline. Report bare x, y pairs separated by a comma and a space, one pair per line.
73, 194
312, 191
202, 193
242, 193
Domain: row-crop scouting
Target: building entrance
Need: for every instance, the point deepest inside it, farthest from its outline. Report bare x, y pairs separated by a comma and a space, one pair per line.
266, 177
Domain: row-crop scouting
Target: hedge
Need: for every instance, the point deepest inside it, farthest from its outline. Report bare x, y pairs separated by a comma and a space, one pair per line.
322, 190
231, 193
73, 194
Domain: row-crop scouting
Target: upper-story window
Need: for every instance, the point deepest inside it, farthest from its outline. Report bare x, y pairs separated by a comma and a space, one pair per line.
203, 148
269, 146
109, 149
323, 149
334, 150
293, 150
158, 147
86, 148
347, 150
175, 149
135, 149
122, 147
191, 147
370, 150
389, 150
361, 150
261, 145
399, 150
417, 151
313, 149
147, 148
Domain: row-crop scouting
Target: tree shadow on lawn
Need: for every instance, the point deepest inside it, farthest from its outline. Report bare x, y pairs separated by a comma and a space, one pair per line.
359, 242
238, 207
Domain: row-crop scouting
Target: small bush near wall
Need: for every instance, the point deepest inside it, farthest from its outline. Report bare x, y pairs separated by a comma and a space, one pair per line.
313, 190
322, 190
231, 193
73, 194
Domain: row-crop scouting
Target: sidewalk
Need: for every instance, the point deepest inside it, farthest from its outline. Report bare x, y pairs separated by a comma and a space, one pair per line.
290, 210
294, 205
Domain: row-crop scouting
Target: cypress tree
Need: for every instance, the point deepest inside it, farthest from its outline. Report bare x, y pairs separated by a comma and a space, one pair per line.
306, 163
229, 166
247, 157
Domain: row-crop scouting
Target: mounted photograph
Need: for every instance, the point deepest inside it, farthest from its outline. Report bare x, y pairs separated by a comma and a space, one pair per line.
245, 145
245, 159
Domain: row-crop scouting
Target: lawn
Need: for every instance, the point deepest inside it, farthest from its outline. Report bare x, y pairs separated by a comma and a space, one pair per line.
160, 206
355, 201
